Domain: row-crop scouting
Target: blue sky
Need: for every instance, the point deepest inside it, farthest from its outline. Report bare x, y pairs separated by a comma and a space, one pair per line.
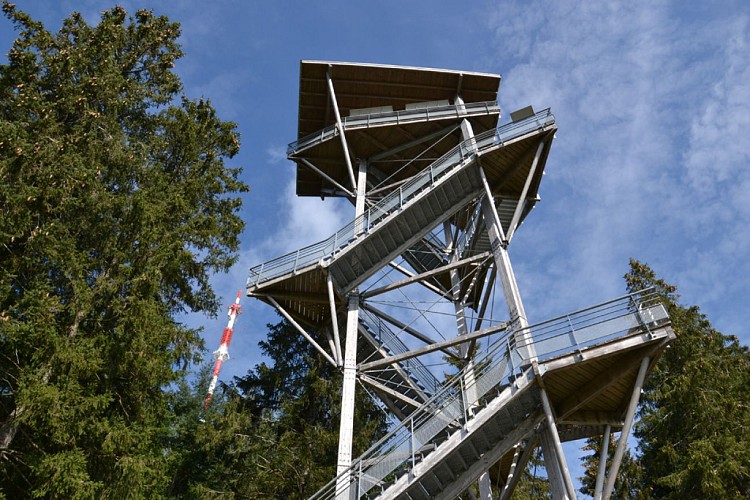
652, 101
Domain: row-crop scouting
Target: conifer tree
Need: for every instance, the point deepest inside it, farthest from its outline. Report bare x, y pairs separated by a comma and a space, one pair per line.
694, 417
117, 206
693, 426
298, 395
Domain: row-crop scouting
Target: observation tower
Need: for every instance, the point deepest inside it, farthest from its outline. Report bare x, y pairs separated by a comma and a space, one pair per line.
422, 275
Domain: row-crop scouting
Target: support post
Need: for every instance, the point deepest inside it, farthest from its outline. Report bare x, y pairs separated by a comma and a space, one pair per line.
625, 433
602, 463
346, 426
334, 319
485, 484
517, 467
340, 127
522, 199
522, 336
553, 449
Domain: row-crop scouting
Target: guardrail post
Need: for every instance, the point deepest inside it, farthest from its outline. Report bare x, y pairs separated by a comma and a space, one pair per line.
464, 406
574, 342
260, 273
412, 445
359, 480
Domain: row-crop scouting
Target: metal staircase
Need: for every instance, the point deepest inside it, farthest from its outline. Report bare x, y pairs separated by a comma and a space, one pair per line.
402, 218
434, 453
404, 386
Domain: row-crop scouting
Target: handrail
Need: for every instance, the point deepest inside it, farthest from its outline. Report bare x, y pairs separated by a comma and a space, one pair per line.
396, 452
465, 239
399, 117
395, 200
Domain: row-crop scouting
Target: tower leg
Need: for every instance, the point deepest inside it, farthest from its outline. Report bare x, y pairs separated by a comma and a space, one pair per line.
346, 428
623, 441
554, 458
498, 243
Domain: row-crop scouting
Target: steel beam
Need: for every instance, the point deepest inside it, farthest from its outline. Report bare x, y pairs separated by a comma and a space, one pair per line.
522, 198
513, 300
342, 134
437, 346
302, 331
325, 176
517, 467
623, 441
556, 452
602, 463
414, 278
334, 319
346, 426
400, 325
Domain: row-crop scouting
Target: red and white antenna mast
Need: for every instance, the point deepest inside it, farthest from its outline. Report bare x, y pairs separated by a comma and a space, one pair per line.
222, 353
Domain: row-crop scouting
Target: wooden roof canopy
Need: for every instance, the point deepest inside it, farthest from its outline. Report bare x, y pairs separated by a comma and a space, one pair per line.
360, 86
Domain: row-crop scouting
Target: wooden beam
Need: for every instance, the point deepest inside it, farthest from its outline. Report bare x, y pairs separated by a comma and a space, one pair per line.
601, 381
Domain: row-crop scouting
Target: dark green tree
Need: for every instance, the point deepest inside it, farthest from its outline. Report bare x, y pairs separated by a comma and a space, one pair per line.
694, 417
300, 394
117, 206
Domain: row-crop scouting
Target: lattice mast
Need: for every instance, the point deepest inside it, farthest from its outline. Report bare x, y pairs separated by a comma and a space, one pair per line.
222, 353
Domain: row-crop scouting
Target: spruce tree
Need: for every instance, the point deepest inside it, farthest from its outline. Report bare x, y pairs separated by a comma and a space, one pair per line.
694, 418
297, 397
117, 207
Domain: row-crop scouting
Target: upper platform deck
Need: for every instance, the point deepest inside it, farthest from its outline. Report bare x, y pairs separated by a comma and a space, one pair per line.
383, 109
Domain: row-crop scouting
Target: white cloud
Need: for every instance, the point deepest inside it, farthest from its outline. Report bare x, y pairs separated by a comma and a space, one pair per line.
276, 154
650, 160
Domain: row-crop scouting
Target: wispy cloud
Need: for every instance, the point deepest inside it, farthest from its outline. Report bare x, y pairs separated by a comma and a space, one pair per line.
651, 102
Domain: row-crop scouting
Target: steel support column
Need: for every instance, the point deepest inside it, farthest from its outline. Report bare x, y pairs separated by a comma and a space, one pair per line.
346, 426
340, 127
523, 344
602, 463
559, 475
485, 484
518, 466
334, 319
522, 199
622, 443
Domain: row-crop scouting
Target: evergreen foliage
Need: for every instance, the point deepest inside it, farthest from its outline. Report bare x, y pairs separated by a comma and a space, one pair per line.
300, 396
694, 418
117, 207
693, 422
275, 433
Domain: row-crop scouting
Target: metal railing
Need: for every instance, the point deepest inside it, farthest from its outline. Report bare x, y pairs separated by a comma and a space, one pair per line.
395, 118
448, 410
395, 200
468, 234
